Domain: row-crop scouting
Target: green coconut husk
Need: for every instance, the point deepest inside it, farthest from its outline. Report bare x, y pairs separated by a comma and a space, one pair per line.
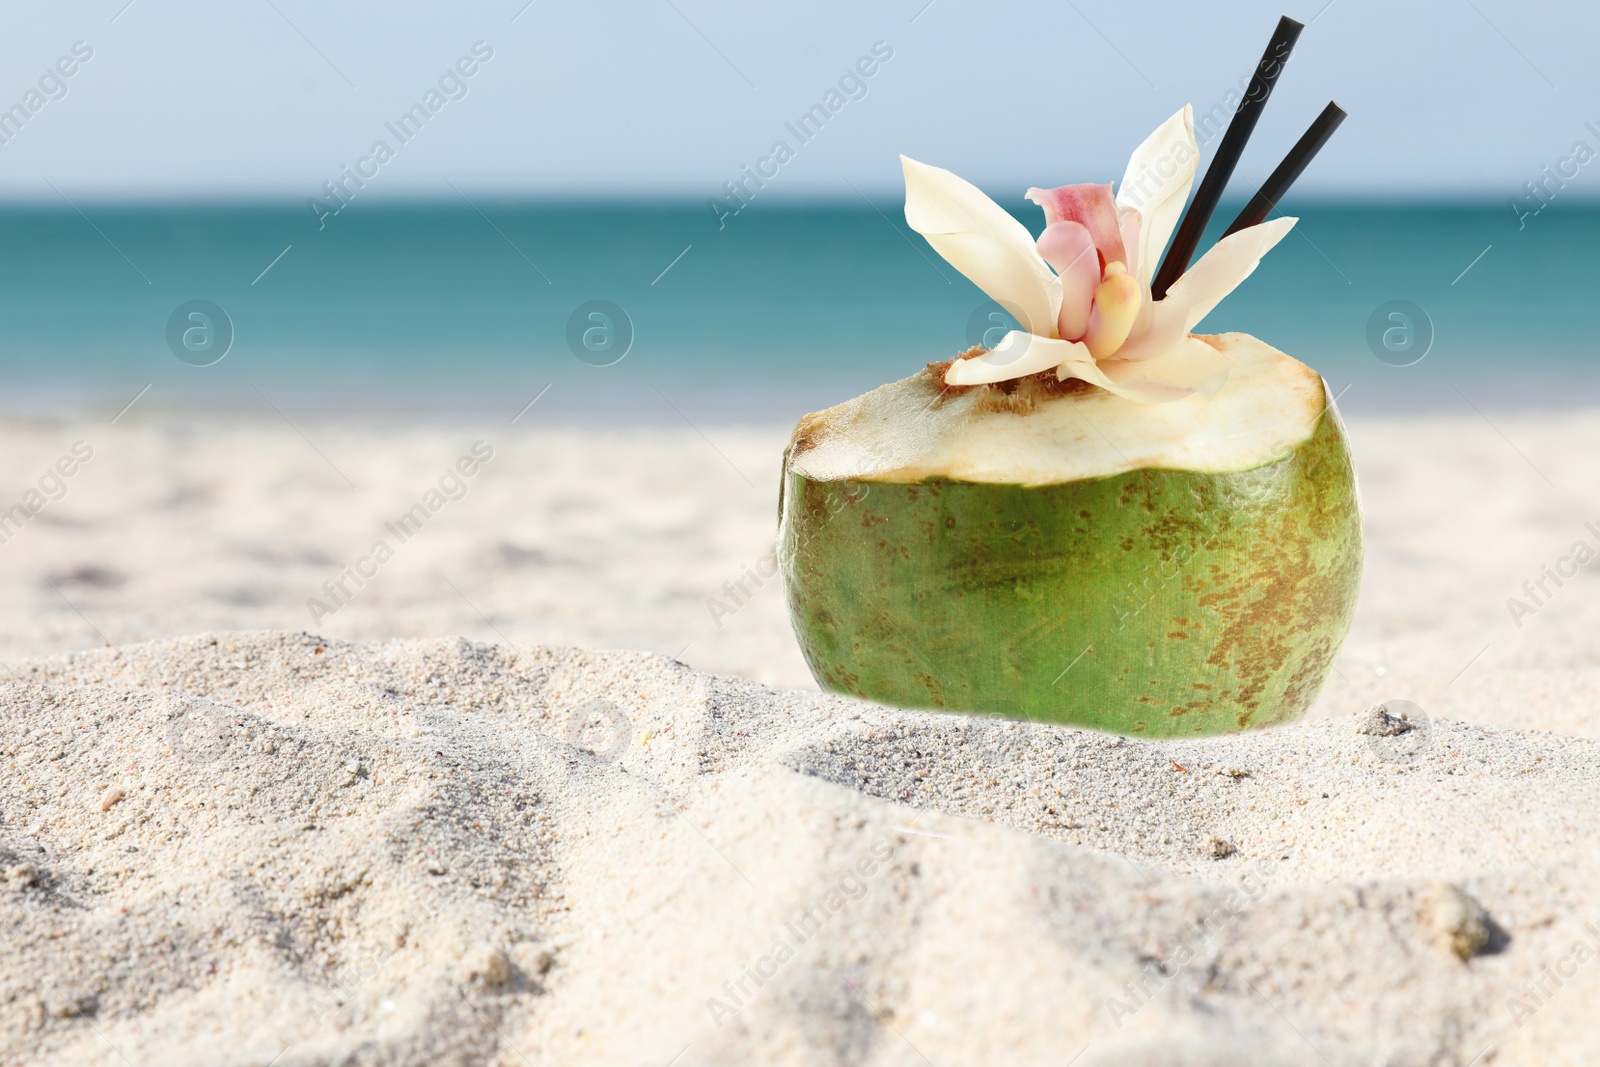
1161, 570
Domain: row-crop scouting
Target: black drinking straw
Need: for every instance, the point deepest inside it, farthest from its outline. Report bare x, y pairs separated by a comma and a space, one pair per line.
1243, 123
1293, 165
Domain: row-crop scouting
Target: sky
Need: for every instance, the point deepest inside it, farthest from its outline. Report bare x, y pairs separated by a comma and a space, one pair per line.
191, 99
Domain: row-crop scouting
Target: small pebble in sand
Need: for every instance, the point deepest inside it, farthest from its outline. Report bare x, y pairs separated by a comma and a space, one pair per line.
1378, 721
1217, 848
112, 798
1459, 923
487, 965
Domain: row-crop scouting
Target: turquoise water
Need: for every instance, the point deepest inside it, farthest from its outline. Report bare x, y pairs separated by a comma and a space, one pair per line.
440, 308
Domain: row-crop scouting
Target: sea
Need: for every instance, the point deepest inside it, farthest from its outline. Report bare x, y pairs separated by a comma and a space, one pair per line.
665, 313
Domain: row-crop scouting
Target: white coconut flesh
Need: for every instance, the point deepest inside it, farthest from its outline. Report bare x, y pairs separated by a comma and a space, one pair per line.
907, 432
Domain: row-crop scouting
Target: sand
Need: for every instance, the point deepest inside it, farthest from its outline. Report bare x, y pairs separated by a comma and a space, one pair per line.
351, 840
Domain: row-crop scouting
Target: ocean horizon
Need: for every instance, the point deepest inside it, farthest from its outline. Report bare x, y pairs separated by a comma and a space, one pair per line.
660, 312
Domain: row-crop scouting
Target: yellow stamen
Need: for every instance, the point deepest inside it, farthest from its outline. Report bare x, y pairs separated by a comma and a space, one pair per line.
1116, 307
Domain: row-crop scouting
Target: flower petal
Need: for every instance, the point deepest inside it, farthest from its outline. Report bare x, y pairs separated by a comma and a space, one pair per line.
1160, 325
1201, 288
1191, 367
1157, 182
1219, 272
1090, 204
1130, 222
1068, 247
982, 241
1017, 355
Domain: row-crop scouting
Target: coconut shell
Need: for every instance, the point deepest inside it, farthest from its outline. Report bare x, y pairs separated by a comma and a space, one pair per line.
1155, 601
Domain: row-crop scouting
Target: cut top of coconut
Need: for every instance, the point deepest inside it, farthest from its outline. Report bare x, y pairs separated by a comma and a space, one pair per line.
916, 429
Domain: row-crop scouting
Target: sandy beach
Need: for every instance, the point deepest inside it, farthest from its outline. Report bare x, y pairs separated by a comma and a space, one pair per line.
544, 779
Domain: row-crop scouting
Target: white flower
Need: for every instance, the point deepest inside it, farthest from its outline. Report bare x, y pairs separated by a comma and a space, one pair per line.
1092, 316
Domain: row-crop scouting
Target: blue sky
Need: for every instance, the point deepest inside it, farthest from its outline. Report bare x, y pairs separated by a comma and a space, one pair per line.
650, 98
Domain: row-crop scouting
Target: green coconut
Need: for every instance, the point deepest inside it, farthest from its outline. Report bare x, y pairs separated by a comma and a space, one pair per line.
1066, 555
